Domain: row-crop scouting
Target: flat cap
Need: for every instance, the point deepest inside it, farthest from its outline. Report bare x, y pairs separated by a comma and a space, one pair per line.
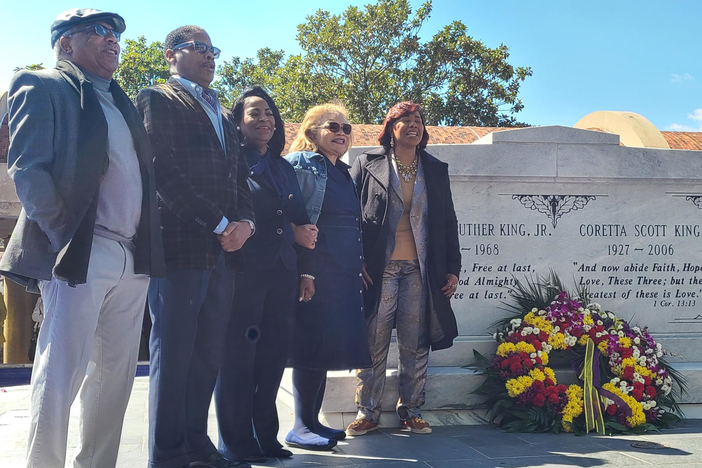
77, 16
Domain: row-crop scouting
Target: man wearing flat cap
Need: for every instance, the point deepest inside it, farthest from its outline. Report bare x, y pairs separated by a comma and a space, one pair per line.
88, 236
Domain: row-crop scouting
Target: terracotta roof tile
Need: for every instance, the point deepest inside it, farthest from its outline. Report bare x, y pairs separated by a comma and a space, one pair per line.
684, 140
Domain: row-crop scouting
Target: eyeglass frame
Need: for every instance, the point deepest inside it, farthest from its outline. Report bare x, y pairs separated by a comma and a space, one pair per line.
342, 127
96, 27
204, 47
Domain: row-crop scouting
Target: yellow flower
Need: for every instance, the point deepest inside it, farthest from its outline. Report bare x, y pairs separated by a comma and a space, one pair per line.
537, 374
505, 348
557, 340
582, 341
544, 358
549, 373
628, 362
574, 392
625, 342
517, 386
643, 371
588, 320
524, 347
603, 348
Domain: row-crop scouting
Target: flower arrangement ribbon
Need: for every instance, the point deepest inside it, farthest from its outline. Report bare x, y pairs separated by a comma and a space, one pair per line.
590, 374
593, 392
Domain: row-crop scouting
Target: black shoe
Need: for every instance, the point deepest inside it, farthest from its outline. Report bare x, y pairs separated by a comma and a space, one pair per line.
279, 452
253, 458
216, 460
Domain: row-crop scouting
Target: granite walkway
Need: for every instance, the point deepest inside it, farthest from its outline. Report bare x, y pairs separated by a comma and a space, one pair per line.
447, 447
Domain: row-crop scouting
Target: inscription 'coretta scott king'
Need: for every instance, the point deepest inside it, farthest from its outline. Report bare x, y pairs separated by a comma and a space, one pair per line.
625, 222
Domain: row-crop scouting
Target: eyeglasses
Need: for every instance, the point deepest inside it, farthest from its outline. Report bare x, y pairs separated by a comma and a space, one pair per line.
334, 127
100, 30
199, 47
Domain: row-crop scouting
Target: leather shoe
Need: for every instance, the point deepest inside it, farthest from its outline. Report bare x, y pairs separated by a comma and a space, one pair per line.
216, 460
253, 458
279, 452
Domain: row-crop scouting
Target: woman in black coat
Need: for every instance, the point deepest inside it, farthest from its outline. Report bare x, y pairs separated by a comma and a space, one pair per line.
256, 348
412, 263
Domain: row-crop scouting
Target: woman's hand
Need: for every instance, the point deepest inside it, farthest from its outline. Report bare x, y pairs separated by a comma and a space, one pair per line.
367, 281
451, 285
305, 235
306, 289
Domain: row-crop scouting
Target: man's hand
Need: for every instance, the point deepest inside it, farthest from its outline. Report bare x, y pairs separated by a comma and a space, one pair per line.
305, 235
306, 289
234, 235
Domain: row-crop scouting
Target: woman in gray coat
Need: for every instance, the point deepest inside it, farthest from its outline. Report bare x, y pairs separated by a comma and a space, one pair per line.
412, 263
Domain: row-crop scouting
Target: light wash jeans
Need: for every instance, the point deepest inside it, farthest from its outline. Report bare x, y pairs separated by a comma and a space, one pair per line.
88, 342
402, 305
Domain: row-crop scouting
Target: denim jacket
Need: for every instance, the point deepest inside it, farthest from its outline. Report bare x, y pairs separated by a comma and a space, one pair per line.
311, 171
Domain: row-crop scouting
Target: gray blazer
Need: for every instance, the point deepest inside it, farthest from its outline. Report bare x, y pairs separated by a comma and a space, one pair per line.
44, 111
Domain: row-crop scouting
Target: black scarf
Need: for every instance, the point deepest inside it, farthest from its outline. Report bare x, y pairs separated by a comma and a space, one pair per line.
91, 164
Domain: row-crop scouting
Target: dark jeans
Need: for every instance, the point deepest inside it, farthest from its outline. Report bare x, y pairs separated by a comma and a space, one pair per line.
255, 354
190, 311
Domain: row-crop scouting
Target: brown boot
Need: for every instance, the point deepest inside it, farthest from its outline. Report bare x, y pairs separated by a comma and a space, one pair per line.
361, 426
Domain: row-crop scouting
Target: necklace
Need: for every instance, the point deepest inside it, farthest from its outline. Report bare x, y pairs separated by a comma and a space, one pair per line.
407, 172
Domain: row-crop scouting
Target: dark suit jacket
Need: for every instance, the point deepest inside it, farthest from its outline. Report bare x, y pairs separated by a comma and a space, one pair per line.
371, 173
197, 181
274, 237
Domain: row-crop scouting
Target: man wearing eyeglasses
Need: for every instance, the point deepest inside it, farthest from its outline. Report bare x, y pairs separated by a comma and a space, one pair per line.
88, 235
206, 216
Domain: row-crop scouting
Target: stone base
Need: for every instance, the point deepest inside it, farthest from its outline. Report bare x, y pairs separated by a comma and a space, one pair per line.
449, 399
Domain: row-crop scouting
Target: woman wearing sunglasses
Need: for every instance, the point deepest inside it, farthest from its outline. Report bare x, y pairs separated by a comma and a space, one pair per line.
329, 331
265, 290
410, 243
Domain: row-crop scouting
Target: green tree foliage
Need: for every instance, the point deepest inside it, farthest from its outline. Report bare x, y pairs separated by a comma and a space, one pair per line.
372, 57
32, 67
140, 66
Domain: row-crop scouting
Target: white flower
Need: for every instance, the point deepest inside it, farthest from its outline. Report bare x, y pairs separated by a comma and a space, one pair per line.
613, 332
636, 330
556, 329
536, 331
580, 309
534, 310
532, 355
659, 354
659, 381
637, 340
523, 333
615, 380
653, 403
586, 328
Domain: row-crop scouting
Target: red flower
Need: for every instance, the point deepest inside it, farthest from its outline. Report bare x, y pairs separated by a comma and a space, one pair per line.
515, 367
651, 391
638, 386
626, 352
553, 398
537, 345
528, 363
611, 410
548, 382
628, 373
539, 400
647, 380
562, 388
637, 394
538, 385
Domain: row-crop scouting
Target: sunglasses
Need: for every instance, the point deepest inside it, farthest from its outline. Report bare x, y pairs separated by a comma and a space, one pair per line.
101, 30
199, 47
334, 127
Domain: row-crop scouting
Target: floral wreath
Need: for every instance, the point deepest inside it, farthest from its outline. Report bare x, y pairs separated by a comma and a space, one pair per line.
626, 384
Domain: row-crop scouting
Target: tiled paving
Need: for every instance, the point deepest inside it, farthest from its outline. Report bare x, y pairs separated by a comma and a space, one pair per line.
447, 447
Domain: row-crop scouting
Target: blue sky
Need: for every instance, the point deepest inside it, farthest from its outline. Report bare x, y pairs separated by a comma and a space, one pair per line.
640, 56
